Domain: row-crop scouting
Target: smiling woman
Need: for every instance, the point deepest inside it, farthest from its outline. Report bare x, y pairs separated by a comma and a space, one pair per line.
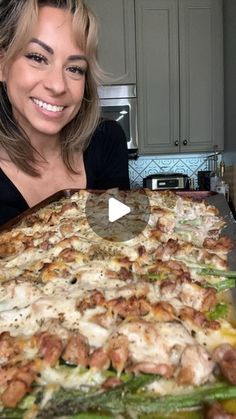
51, 135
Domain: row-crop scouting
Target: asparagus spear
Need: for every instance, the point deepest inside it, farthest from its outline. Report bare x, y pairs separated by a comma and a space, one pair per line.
72, 402
222, 285
218, 272
144, 404
122, 400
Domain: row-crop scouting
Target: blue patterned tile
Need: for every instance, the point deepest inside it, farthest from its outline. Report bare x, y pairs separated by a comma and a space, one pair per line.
147, 165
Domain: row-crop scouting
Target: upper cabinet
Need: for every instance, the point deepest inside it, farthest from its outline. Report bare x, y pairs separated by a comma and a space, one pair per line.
179, 75
116, 51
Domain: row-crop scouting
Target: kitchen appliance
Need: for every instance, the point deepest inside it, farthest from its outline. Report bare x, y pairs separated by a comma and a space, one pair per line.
119, 103
167, 181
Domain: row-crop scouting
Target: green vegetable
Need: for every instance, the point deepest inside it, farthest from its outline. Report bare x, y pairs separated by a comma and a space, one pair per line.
218, 272
126, 398
208, 393
221, 285
219, 311
158, 277
73, 402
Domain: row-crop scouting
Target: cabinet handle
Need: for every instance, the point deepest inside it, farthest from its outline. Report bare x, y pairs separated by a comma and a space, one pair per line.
185, 142
177, 143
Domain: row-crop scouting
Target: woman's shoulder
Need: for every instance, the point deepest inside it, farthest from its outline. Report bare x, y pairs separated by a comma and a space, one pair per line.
107, 126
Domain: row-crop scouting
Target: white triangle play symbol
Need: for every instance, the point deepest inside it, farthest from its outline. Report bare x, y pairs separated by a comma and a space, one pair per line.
116, 209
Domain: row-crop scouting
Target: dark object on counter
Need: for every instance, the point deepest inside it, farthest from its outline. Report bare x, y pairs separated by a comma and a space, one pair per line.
203, 177
160, 181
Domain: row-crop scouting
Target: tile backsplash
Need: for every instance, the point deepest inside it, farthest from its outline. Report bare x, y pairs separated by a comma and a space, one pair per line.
181, 163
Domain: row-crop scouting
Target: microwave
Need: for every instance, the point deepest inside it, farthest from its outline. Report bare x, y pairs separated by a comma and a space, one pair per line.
119, 103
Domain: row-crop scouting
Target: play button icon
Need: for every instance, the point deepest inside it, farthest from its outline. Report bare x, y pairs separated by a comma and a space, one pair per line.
116, 215
116, 210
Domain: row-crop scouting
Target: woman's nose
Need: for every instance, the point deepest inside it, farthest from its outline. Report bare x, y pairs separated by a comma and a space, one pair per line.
55, 80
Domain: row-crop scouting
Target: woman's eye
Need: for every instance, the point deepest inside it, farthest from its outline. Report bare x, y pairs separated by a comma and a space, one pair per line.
77, 71
38, 58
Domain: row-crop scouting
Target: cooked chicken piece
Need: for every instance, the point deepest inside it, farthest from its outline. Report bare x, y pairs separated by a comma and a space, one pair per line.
196, 366
158, 344
18, 294
197, 297
163, 311
191, 316
132, 306
223, 244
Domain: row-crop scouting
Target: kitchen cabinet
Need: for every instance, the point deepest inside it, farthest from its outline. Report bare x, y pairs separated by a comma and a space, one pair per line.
116, 49
179, 75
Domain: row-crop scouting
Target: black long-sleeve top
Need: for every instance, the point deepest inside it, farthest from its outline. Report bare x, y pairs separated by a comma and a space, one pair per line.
106, 166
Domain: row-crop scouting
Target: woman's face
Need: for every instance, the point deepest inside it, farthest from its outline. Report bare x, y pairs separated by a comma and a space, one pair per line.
45, 83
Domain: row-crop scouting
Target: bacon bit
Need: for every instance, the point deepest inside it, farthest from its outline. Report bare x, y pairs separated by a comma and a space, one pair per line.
111, 382
50, 347
8, 347
99, 359
225, 356
118, 351
77, 351
152, 368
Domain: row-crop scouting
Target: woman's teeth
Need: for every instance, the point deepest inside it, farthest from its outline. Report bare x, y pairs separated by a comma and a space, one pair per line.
47, 106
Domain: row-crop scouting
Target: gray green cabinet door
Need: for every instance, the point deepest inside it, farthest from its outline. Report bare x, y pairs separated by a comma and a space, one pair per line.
179, 75
116, 49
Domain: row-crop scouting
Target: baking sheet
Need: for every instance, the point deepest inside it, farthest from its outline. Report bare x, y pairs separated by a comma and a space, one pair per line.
213, 198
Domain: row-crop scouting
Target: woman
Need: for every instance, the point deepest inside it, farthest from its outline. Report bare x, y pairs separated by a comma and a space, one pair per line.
50, 136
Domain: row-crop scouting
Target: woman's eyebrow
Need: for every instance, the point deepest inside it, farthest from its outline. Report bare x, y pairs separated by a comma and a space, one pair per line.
43, 45
50, 50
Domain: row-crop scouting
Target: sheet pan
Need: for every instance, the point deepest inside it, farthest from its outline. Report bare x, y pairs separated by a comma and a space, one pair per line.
218, 200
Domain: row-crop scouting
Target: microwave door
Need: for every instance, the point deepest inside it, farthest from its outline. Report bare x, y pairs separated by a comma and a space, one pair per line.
119, 114
124, 111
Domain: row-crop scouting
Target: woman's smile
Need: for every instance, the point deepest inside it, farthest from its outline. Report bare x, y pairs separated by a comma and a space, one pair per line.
48, 106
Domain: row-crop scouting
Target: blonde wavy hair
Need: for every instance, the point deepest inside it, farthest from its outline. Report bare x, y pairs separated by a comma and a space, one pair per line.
17, 19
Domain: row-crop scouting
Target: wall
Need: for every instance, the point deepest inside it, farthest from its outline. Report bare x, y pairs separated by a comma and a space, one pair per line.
229, 13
